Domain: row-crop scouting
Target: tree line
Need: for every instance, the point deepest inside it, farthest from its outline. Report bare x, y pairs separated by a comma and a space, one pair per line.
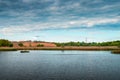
110, 43
7, 43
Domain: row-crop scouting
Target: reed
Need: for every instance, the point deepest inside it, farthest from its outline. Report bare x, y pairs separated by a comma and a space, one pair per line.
116, 51
8, 49
68, 48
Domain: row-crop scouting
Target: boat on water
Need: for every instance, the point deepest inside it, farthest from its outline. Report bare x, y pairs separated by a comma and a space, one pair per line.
24, 51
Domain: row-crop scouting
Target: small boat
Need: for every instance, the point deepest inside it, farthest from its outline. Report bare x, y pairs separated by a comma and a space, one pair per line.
24, 51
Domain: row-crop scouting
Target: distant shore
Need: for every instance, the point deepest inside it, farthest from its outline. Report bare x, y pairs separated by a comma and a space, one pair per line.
92, 48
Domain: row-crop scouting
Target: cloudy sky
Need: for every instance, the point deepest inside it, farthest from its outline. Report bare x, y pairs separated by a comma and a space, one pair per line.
60, 20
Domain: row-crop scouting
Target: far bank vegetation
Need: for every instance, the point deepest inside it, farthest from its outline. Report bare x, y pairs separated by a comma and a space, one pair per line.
21, 44
5, 43
40, 45
111, 43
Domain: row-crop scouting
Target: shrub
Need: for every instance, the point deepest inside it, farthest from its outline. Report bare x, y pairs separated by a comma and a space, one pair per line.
5, 43
40, 45
21, 44
10, 45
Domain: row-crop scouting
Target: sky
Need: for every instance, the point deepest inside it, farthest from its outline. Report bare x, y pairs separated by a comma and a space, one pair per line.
60, 20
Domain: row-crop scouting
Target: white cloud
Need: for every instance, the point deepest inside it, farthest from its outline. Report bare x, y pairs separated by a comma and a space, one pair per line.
101, 21
86, 22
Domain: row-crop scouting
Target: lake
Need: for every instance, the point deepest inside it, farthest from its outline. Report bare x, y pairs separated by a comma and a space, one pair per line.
59, 65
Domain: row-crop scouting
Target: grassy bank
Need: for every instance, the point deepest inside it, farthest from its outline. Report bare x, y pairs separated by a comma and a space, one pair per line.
90, 48
8, 49
69, 48
116, 51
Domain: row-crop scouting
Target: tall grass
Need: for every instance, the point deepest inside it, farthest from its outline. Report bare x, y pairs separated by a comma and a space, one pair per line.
116, 51
8, 49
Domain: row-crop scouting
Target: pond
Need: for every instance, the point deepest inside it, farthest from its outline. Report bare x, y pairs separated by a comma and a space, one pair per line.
59, 65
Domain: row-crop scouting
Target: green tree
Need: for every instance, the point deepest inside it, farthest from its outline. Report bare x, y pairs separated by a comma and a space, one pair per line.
5, 43
111, 43
40, 45
21, 44
10, 45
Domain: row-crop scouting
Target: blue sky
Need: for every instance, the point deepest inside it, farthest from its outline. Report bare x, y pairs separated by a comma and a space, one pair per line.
60, 20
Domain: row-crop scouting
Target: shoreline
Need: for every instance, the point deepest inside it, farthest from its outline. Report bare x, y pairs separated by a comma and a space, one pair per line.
89, 48
116, 51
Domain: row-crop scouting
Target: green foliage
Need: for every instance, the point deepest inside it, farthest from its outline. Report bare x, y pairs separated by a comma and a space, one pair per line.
5, 43
119, 45
21, 44
68, 44
40, 45
112, 43
10, 45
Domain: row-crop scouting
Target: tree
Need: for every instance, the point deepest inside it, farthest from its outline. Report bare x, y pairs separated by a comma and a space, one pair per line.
10, 45
21, 44
5, 43
40, 45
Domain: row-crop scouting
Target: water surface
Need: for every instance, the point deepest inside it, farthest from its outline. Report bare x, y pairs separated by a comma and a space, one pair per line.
59, 65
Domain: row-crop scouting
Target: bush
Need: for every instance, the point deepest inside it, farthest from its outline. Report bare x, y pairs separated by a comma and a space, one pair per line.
40, 45
5, 43
21, 44
10, 45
